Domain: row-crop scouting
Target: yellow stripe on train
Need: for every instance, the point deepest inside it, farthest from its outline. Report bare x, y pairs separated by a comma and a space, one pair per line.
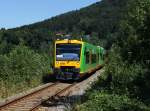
69, 41
58, 64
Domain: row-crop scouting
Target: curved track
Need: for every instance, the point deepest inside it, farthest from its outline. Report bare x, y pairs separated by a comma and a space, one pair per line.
33, 100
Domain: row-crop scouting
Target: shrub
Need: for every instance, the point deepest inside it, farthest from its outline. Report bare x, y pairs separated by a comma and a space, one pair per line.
20, 69
99, 101
119, 88
121, 74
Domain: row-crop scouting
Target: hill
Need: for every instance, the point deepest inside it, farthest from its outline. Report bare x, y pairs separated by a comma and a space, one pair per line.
99, 20
122, 26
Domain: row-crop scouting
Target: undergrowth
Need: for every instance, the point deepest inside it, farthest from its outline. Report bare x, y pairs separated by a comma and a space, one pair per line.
122, 87
21, 69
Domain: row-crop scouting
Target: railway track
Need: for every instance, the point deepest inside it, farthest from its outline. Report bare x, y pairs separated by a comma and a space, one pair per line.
33, 100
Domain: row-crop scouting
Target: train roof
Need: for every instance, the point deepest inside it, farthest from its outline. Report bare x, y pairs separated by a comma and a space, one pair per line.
65, 41
68, 41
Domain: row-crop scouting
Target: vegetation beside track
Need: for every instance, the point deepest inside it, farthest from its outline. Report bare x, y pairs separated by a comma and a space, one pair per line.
122, 87
125, 85
21, 69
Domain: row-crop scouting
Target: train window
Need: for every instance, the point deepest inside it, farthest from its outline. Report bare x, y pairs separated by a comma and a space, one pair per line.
101, 55
87, 57
93, 58
98, 57
68, 52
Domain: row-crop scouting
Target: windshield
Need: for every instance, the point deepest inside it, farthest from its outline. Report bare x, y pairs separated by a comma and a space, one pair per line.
68, 52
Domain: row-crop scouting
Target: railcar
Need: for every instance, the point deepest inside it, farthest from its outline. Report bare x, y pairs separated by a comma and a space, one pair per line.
74, 59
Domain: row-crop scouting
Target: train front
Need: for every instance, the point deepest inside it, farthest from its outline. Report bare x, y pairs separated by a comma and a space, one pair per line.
67, 59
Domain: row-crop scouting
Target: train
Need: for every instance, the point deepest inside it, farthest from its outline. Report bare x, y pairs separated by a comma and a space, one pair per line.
74, 59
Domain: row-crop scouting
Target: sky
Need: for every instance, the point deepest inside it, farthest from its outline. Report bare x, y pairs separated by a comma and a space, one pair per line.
15, 13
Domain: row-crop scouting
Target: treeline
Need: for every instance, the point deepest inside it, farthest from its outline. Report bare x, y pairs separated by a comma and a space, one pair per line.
99, 21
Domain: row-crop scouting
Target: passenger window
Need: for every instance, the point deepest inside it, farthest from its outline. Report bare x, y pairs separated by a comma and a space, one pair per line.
97, 57
87, 57
93, 58
101, 55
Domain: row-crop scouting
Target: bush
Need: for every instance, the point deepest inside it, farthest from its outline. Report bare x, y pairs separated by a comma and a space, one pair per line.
20, 69
122, 87
100, 101
120, 74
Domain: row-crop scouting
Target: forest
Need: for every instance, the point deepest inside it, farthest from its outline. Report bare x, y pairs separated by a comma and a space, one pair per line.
122, 27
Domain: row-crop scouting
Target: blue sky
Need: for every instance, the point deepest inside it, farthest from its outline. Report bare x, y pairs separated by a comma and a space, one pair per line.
14, 13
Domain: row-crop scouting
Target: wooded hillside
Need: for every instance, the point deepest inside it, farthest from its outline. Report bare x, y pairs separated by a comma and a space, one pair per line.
120, 26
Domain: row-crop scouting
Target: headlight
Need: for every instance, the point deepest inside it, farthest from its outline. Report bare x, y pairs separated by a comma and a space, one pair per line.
57, 62
78, 62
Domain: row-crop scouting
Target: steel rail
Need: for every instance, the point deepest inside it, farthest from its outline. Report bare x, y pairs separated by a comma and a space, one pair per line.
58, 94
10, 103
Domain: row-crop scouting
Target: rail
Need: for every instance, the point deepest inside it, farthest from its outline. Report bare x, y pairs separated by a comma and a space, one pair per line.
32, 101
